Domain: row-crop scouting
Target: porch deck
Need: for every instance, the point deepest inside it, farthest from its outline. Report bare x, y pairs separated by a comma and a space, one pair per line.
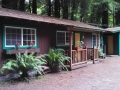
80, 58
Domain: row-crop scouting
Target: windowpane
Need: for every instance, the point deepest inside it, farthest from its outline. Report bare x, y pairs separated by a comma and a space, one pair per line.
19, 37
12, 34
29, 37
25, 31
14, 42
8, 42
60, 38
14, 31
67, 38
18, 31
33, 31
94, 40
22, 35
8, 36
8, 30
25, 43
33, 37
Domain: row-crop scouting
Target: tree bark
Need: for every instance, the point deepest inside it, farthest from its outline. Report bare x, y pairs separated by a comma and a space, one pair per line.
57, 10
65, 9
22, 5
11, 4
34, 6
105, 15
49, 8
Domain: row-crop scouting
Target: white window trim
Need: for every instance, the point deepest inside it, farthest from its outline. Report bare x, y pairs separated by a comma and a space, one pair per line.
66, 44
21, 36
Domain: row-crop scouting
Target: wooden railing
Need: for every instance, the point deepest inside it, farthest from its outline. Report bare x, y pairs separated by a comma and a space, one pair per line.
78, 57
92, 53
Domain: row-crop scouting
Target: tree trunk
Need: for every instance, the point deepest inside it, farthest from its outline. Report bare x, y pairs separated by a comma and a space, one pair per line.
73, 10
22, 5
34, 6
11, 4
65, 9
49, 8
105, 15
57, 8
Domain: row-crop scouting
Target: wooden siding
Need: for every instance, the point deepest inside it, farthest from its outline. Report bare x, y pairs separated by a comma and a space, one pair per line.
45, 32
88, 39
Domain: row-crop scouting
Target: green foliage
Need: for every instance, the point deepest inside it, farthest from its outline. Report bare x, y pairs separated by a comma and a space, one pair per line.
80, 43
57, 57
100, 52
23, 63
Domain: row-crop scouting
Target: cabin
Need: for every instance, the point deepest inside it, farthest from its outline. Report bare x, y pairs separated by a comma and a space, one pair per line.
44, 32
111, 39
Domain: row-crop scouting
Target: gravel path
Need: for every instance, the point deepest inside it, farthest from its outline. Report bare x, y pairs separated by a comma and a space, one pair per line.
104, 75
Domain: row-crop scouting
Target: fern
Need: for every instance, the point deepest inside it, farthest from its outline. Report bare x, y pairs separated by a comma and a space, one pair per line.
24, 62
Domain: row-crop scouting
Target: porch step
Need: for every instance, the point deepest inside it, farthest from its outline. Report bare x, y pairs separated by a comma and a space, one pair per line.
79, 66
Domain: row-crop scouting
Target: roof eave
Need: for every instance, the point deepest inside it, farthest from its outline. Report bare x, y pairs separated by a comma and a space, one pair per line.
89, 29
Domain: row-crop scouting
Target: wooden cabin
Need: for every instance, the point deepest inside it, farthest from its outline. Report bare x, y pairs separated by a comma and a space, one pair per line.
45, 32
111, 39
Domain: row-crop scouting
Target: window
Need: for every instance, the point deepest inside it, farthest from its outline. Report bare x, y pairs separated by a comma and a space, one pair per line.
63, 38
95, 39
23, 36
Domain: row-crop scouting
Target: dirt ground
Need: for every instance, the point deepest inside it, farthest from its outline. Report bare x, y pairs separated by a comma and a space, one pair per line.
104, 75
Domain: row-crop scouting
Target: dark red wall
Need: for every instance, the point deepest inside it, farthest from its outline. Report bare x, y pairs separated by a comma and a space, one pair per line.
45, 32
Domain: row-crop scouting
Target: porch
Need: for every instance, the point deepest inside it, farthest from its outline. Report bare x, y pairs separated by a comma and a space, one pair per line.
80, 57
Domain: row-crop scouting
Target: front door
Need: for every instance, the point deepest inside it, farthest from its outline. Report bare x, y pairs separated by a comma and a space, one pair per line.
77, 38
77, 54
110, 44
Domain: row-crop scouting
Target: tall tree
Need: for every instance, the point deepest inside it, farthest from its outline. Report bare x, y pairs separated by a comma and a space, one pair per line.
11, 4
34, 6
117, 14
22, 5
65, 9
49, 7
57, 8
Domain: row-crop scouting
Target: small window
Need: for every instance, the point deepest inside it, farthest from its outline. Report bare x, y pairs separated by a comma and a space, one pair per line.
23, 36
63, 38
95, 40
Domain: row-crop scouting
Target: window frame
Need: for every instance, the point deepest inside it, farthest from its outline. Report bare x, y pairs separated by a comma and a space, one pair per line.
21, 46
65, 44
97, 41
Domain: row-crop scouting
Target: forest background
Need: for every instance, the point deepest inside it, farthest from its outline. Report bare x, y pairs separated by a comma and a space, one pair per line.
102, 13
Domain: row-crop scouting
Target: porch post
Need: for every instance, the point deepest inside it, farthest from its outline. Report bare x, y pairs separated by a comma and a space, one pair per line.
70, 49
97, 40
119, 43
93, 55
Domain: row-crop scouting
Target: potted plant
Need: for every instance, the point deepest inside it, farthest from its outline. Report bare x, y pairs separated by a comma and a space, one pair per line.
56, 59
17, 45
79, 45
31, 44
24, 63
100, 53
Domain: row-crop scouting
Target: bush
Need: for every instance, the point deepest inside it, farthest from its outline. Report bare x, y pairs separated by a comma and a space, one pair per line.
23, 63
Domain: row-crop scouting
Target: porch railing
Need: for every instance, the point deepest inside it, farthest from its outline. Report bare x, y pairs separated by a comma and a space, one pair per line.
92, 53
78, 57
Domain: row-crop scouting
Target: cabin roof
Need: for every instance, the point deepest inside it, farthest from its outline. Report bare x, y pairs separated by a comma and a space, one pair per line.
114, 29
33, 17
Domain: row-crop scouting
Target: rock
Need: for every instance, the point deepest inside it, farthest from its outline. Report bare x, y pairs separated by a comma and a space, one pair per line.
10, 77
44, 69
32, 73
